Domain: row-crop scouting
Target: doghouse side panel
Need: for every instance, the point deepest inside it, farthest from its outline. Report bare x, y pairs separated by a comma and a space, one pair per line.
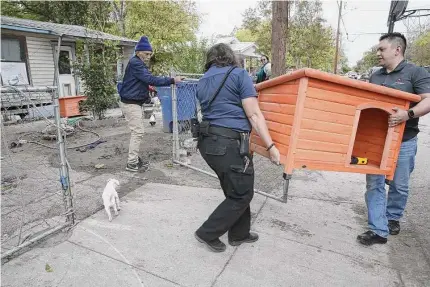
278, 104
395, 145
325, 129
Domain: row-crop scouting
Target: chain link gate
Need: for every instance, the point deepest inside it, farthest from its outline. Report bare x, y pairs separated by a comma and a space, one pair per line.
269, 179
35, 186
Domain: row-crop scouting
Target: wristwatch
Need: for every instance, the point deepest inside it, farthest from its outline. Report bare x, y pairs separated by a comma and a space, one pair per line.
411, 114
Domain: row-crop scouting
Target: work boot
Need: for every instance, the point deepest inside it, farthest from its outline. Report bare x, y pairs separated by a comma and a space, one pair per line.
252, 237
370, 238
215, 245
394, 227
142, 163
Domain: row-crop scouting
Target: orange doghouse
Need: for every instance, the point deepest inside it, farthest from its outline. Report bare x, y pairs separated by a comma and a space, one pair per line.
320, 121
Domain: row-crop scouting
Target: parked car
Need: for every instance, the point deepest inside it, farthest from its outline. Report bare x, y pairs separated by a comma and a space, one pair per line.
352, 75
373, 70
364, 77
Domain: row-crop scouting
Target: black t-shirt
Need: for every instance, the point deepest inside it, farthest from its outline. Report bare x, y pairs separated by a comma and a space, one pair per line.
408, 78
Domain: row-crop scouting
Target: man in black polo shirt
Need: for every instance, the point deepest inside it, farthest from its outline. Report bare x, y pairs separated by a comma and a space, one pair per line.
384, 214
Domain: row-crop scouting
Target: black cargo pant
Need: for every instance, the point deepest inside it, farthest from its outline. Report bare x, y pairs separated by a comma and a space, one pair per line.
233, 214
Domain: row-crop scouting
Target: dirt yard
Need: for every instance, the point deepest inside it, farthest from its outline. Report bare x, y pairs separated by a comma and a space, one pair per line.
31, 191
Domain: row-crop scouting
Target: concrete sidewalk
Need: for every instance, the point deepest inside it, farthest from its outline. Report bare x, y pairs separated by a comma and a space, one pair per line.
310, 241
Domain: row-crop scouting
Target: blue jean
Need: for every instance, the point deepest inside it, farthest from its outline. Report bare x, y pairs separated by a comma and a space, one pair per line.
379, 208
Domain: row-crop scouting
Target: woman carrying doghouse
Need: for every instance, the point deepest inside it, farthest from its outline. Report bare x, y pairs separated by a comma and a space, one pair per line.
230, 109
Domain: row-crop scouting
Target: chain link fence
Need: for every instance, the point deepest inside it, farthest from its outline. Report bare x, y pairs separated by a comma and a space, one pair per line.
36, 199
185, 108
180, 108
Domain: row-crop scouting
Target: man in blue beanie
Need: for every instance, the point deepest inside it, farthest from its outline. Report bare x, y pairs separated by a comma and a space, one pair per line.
134, 92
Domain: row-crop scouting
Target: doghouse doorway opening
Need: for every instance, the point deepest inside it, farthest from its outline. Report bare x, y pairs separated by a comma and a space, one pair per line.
371, 135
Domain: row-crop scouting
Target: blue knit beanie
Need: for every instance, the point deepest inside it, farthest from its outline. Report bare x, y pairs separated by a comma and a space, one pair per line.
143, 45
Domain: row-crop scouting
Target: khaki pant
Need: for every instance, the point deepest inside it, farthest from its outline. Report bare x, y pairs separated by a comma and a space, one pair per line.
134, 116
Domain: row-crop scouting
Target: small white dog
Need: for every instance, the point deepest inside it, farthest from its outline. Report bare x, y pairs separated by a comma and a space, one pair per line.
110, 197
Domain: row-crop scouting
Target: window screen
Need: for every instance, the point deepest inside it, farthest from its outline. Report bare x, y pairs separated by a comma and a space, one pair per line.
11, 50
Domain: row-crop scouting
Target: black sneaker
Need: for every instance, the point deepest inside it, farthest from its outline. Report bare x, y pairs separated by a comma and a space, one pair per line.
394, 227
251, 238
215, 245
370, 238
143, 164
134, 167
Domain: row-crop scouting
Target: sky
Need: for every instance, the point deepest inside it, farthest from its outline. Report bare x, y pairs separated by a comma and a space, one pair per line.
360, 20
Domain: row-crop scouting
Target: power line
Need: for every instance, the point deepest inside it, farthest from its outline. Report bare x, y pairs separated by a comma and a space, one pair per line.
373, 33
380, 33
344, 27
385, 10
368, 33
336, 54
343, 23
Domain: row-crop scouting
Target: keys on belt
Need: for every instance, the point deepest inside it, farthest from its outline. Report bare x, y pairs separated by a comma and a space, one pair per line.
246, 159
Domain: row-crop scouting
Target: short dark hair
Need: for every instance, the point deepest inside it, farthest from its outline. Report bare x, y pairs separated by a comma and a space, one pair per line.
220, 55
265, 56
396, 37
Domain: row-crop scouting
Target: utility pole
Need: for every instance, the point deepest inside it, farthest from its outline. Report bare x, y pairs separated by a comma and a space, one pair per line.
336, 53
279, 36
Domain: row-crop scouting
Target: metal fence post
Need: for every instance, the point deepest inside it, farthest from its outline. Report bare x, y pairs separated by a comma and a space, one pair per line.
175, 119
31, 227
185, 148
64, 171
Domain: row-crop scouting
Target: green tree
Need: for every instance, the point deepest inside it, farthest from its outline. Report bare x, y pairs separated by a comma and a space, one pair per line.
310, 40
96, 67
82, 13
120, 14
258, 21
419, 50
311, 45
343, 63
245, 35
368, 61
188, 57
170, 25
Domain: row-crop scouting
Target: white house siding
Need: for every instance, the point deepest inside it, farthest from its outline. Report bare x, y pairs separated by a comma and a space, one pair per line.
41, 61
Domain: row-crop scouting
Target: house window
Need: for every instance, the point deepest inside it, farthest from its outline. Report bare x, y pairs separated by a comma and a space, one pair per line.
14, 62
11, 50
64, 63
